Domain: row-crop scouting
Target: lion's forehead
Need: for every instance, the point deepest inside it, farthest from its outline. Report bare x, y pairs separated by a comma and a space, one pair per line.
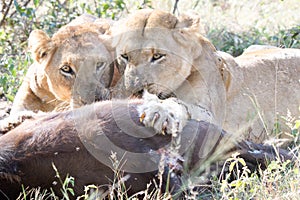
87, 41
144, 46
148, 41
83, 49
83, 41
77, 36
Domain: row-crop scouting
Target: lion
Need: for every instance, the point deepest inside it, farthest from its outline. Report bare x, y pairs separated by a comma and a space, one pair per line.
263, 91
72, 68
189, 79
167, 57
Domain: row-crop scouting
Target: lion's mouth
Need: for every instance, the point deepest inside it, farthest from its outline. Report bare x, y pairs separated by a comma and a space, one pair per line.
163, 95
138, 94
160, 92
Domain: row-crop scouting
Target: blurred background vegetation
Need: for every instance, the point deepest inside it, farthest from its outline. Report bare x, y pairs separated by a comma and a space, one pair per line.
231, 25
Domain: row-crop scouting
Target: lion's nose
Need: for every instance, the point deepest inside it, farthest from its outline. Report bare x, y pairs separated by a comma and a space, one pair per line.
136, 81
132, 82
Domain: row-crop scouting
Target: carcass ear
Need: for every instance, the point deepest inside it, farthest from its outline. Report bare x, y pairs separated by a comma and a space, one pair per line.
39, 44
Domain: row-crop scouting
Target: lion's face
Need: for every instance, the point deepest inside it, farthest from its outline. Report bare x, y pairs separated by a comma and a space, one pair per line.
75, 64
168, 56
155, 64
154, 55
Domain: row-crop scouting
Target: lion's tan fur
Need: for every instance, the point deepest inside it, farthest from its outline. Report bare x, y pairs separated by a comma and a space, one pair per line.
194, 72
264, 86
80, 45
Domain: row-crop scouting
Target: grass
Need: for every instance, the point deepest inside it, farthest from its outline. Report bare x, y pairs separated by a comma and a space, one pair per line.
279, 181
231, 25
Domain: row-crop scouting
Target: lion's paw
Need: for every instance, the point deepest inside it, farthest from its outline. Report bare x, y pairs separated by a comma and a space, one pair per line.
13, 121
165, 116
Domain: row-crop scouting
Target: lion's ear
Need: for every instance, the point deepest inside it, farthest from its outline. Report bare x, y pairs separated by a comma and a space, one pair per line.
104, 25
223, 68
39, 44
187, 32
190, 21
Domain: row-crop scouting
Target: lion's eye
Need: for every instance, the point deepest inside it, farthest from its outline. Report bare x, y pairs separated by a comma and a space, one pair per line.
67, 70
125, 56
43, 54
100, 66
157, 56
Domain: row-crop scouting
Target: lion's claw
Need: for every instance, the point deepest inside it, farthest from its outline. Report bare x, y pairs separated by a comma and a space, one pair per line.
142, 117
155, 118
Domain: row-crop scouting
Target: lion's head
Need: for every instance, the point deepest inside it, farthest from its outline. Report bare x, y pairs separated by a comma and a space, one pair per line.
168, 56
73, 66
148, 53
